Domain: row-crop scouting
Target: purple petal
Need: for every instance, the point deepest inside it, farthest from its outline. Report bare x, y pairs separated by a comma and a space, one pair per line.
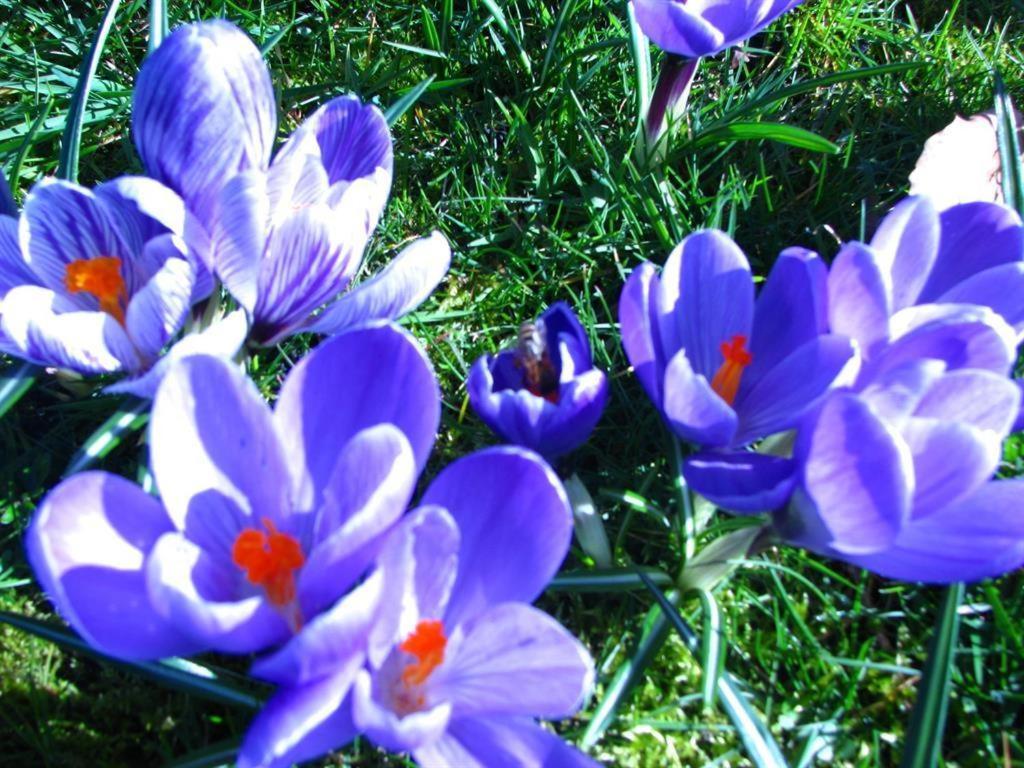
895, 393
7, 206
13, 269
1000, 288
206, 596
742, 482
695, 411
213, 448
327, 643
301, 723
297, 177
222, 339
378, 721
87, 543
203, 111
515, 660
858, 473
381, 369
859, 302
240, 236
977, 538
906, 246
157, 312
47, 329
501, 742
368, 491
791, 309
1018, 424
310, 258
510, 508
786, 392
707, 293
985, 400
398, 289
975, 237
564, 328
64, 222
638, 324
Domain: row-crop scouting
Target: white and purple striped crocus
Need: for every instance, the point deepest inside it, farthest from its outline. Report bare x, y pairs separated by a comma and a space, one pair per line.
545, 394
289, 234
265, 518
439, 653
99, 281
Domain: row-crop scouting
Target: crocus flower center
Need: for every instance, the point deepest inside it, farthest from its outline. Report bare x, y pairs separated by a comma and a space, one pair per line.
269, 560
426, 645
532, 357
100, 277
726, 382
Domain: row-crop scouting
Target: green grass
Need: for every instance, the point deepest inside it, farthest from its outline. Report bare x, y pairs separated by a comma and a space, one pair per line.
532, 180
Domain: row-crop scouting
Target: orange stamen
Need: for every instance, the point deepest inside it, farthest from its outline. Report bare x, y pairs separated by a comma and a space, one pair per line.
270, 561
727, 379
101, 277
426, 643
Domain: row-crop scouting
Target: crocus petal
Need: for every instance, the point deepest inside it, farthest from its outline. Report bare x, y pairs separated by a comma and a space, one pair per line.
979, 537
13, 269
7, 206
87, 544
707, 294
47, 329
240, 236
1018, 425
858, 473
859, 297
906, 246
742, 482
506, 502
64, 222
792, 387
203, 110
327, 643
515, 660
369, 490
638, 325
157, 312
500, 742
694, 410
203, 594
398, 289
381, 369
309, 259
674, 28
791, 309
985, 400
214, 453
301, 723
975, 237
1000, 288
938, 481
564, 328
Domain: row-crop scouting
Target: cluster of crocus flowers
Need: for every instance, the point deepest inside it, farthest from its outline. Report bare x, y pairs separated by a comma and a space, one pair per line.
886, 378
287, 233
545, 394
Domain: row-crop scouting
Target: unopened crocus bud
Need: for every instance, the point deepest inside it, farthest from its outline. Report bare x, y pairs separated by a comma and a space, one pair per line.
587, 523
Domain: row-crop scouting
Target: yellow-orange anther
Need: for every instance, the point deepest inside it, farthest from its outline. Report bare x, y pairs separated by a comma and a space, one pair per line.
727, 379
269, 561
427, 644
101, 277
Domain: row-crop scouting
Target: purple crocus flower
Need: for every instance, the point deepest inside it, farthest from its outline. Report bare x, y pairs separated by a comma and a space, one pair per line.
968, 254
546, 394
288, 236
439, 652
895, 478
696, 28
723, 369
265, 518
98, 281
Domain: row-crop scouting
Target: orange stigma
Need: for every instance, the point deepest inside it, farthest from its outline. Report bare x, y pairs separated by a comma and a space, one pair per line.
102, 278
427, 644
269, 561
726, 382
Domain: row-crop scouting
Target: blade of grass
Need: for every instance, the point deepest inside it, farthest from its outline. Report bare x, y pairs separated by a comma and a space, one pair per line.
222, 753
712, 649
568, 6
271, 42
499, 17
131, 416
26, 144
642, 63
158, 27
394, 113
784, 134
177, 674
924, 739
1009, 147
71, 141
757, 739
15, 382
609, 580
